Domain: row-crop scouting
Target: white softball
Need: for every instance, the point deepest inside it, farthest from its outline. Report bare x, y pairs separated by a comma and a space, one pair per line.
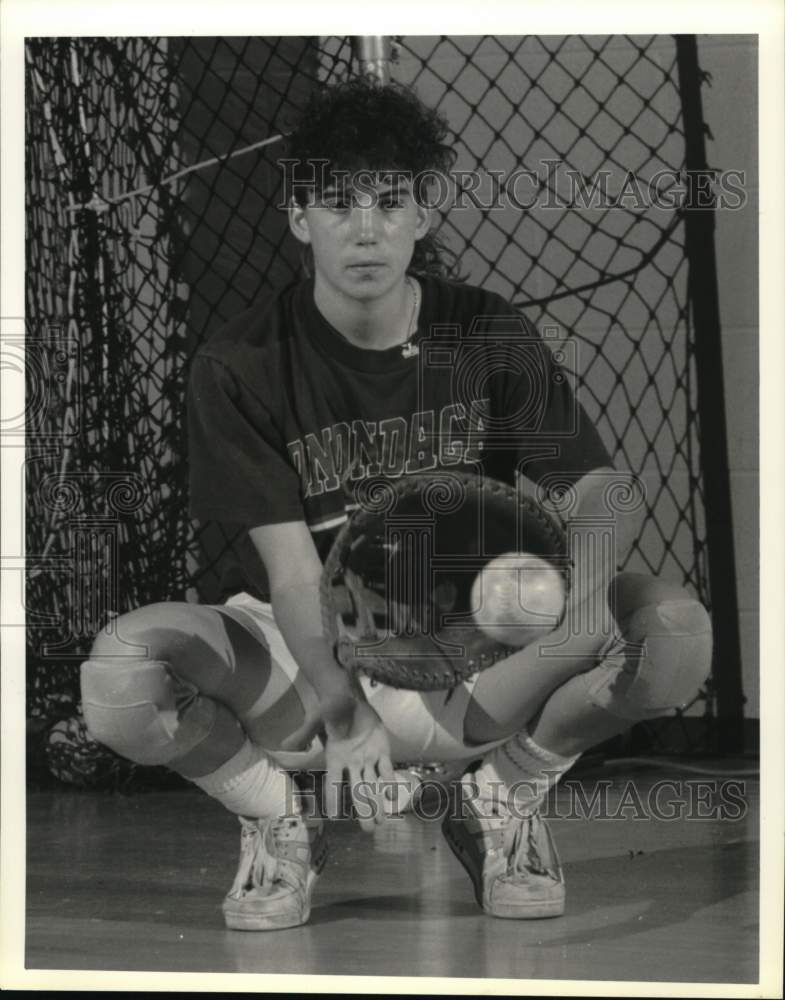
517, 598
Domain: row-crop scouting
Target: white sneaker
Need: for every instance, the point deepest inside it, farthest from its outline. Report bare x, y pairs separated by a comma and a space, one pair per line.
280, 860
512, 860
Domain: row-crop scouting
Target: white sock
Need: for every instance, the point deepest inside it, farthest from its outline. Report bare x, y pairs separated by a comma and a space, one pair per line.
519, 772
251, 784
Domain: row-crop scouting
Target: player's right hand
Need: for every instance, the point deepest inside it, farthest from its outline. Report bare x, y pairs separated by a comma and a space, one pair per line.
359, 748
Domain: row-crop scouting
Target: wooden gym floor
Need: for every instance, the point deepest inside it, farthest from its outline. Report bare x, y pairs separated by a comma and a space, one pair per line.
120, 882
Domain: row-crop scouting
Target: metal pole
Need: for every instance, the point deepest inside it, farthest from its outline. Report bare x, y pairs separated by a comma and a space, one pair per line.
374, 54
704, 302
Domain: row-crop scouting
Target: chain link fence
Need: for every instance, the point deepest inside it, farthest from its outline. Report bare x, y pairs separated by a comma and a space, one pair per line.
152, 187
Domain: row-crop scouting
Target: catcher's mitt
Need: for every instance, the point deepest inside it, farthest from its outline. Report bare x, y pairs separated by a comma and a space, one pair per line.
396, 585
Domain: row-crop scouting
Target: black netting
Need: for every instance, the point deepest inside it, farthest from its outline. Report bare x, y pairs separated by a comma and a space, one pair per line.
614, 279
152, 187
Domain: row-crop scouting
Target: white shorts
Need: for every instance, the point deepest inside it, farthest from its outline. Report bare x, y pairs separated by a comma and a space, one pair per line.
424, 726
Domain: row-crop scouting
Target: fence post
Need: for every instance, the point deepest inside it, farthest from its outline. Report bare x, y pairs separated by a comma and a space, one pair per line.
704, 305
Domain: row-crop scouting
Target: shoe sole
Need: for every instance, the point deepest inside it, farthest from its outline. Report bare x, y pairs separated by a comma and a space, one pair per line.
530, 911
241, 920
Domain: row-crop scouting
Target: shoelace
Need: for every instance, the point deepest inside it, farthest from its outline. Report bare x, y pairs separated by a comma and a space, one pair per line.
259, 866
523, 851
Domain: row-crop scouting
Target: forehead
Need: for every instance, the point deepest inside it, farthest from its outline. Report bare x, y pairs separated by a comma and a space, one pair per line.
377, 182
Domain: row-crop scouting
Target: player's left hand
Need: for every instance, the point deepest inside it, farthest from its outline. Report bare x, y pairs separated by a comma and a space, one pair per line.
361, 749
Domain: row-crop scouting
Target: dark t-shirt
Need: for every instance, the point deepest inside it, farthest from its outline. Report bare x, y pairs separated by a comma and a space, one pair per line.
286, 416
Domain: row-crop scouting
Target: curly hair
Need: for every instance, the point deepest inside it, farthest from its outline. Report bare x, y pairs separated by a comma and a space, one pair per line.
361, 124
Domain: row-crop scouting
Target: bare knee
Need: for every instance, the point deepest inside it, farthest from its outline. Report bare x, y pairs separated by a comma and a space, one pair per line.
129, 696
666, 655
130, 706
